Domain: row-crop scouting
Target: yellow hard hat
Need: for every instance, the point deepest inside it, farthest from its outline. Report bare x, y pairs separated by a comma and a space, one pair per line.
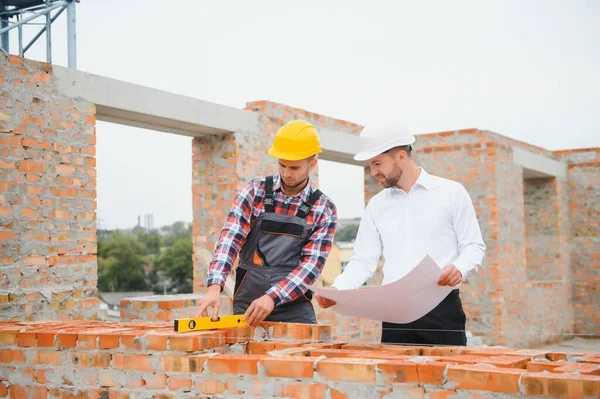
296, 140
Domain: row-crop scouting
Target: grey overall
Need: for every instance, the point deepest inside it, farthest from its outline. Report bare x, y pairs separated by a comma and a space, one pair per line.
273, 249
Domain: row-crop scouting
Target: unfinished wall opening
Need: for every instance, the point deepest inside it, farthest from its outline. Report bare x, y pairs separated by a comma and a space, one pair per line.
144, 214
345, 185
342, 183
542, 229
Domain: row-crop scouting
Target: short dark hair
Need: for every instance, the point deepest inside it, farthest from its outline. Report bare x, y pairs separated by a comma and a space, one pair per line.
406, 148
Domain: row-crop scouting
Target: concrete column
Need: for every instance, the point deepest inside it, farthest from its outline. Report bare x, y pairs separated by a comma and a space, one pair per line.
48, 267
583, 177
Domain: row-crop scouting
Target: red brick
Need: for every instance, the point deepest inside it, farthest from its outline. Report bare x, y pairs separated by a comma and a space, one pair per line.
156, 381
87, 359
132, 362
26, 339
180, 383
486, 378
304, 390
182, 363
212, 387
561, 385
47, 357
66, 340
32, 166
348, 369
498, 361
234, 364
289, 367
8, 338
432, 373
581, 368
536, 367
397, 371
12, 356
194, 341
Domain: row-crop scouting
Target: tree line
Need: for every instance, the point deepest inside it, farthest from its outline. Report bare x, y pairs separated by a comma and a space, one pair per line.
158, 260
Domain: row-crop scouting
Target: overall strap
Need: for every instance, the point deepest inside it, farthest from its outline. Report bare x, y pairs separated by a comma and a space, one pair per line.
269, 204
305, 207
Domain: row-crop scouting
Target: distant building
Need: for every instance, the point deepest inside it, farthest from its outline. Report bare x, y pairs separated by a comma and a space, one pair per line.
108, 307
339, 256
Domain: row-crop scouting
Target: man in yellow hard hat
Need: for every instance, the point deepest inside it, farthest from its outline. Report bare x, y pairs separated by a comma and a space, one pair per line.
282, 229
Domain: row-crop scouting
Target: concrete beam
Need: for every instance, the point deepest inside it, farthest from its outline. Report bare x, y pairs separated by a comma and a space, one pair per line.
538, 166
140, 106
134, 105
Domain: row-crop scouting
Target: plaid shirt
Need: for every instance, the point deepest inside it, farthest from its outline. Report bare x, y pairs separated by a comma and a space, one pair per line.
247, 206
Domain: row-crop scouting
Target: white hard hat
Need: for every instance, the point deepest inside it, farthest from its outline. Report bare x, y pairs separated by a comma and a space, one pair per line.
377, 140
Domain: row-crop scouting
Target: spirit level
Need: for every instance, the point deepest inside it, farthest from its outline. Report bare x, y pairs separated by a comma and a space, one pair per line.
208, 323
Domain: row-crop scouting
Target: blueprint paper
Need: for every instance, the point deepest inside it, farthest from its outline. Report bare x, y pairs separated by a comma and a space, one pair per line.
403, 301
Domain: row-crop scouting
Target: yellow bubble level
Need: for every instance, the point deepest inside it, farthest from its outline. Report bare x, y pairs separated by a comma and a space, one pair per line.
208, 323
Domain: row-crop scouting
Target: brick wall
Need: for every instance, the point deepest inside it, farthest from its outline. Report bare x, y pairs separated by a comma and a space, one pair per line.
584, 205
47, 197
91, 360
500, 303
158, 308
168, 307
471, 159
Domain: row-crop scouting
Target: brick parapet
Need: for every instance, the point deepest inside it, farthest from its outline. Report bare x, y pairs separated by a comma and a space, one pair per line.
283, 113
167, 307
474, 138
580, 156
160, 308
122, 360
48, 249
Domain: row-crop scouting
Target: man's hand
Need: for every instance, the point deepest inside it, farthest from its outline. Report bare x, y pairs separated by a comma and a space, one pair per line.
450, 277
258, 310
324, 302
212, 298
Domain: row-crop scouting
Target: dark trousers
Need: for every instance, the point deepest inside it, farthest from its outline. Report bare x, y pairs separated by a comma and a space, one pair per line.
444, 325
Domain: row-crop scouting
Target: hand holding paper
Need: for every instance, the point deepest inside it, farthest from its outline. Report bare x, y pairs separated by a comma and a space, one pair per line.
324, 302
451, 276
403, 301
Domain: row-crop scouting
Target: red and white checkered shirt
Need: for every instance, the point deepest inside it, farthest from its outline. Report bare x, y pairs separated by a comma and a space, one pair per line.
247, 206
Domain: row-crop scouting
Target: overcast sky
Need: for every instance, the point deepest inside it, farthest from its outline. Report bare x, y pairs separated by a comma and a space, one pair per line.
525, 69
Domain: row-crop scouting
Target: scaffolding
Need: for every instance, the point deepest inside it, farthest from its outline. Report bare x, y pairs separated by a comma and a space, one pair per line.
15, 14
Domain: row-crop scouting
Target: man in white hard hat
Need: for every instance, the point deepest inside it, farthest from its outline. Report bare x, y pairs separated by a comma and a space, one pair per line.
416, 214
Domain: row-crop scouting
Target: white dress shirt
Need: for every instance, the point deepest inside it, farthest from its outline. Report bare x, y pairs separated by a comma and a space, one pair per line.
436, 217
